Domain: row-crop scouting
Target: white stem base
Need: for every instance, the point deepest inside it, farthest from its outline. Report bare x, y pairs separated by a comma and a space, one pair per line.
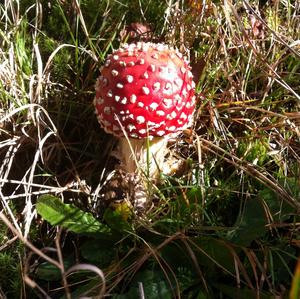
143, 155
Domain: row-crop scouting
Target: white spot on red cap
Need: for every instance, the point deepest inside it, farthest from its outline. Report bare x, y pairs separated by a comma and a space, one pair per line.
133, 98
140, 119
160, 47
109, 94
145, 75
117, 98
171, 129
115, 73
151, 68
129, 78
130, 63
188, 105
115, 57
145, 47
120, 85
168, 89
107, 63
168, 103
145, 90
160, 113
153, 106
183, 115
173, 114
177, 98
124, 101
140, 104
131, 127
161, 133
122, 63
156, 86
141, 61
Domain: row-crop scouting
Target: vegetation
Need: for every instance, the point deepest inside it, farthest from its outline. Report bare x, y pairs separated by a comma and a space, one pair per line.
227, 227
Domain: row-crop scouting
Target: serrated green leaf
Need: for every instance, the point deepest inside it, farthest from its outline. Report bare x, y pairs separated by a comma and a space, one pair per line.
52, 209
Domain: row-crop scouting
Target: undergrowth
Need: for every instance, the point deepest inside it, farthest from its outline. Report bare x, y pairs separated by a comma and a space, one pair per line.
228, 227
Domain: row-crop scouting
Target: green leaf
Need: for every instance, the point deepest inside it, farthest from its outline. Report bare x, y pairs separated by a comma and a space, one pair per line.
49, 272
56, 212
100, 253
250, 225
213, 253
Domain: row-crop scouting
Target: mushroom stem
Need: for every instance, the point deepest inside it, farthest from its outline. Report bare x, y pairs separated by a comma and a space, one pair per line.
143, 155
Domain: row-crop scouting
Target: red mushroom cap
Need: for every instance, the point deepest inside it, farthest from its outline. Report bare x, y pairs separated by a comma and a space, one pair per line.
145, 89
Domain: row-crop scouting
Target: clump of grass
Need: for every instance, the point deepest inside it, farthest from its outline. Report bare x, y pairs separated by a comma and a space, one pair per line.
227, 227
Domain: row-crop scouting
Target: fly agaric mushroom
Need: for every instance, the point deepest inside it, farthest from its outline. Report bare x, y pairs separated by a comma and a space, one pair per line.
145, 94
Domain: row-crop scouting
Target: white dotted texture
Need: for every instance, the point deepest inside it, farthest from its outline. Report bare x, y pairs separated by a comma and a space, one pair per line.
145, 89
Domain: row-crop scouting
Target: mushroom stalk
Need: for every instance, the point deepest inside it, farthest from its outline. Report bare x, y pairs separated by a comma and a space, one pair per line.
143, 155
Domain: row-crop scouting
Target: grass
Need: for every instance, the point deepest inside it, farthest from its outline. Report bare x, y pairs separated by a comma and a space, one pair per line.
227, 227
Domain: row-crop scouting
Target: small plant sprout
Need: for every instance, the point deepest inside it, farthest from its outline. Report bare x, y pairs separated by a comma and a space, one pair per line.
144, 96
